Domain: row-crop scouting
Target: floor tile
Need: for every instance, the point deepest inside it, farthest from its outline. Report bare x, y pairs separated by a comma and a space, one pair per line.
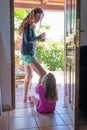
35, 113
62, 110
4, 115
49, 120
22, 123
70, 127
25, 117
30, 129
3, 123
66, 118
21, 112
21, 104
55, 128
60, 103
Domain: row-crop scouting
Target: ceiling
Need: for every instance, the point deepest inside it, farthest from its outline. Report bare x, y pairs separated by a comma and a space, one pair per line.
48, 5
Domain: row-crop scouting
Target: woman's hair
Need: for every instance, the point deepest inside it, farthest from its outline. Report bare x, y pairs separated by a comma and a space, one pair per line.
30, 19
49, 84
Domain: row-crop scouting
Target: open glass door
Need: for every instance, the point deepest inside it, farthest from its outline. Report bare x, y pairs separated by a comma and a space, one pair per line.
71, 37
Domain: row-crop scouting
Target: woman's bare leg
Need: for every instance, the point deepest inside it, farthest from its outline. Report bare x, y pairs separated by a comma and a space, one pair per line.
35, 65
38, 69
28, 81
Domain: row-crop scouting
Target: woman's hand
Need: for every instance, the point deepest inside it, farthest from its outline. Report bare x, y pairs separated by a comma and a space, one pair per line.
43, 37
42, 40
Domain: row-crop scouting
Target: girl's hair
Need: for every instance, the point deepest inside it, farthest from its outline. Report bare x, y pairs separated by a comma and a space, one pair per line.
30, 19
49, 84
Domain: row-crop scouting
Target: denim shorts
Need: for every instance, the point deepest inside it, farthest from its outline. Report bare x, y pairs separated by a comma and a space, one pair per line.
27, 59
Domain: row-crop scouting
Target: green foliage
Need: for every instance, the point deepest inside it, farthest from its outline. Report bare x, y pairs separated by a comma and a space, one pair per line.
17, 57
52, 58
18, 17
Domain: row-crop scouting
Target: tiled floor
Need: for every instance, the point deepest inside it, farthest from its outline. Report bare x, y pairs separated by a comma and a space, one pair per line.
25, 117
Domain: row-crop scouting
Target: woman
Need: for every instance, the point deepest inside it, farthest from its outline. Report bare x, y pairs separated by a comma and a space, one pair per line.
28, 48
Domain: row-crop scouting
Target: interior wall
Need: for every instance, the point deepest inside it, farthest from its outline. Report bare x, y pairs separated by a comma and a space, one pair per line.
83, 21
5, 52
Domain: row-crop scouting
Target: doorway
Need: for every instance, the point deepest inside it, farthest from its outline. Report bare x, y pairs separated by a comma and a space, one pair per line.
37, 77
53, 39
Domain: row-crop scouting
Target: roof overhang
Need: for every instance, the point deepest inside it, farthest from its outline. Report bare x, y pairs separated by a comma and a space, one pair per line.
48, 5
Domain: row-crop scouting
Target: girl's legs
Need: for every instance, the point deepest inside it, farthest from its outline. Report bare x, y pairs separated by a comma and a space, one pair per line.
28, 81
38, 69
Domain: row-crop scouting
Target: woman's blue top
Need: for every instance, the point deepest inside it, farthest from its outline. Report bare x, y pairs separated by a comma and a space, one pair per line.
29, 41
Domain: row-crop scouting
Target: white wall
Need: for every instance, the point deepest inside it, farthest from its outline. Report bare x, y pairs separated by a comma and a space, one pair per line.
5, 55
83, 20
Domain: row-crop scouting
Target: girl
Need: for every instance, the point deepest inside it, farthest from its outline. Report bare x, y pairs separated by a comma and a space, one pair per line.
47, 92
28, 48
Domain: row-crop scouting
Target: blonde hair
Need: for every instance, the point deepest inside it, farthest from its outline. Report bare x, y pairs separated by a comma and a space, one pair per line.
49, 84
29, 19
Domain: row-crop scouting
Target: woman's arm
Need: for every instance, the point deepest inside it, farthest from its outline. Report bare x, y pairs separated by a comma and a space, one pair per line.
30, 36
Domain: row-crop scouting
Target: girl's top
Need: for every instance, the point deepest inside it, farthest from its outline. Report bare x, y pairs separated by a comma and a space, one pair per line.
44, 106
29, 41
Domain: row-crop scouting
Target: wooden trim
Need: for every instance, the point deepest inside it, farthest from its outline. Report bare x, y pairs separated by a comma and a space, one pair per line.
6, 108
0, 101
12, 54
47, 7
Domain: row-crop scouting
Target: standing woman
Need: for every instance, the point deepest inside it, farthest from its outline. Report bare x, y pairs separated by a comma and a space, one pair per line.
28, 48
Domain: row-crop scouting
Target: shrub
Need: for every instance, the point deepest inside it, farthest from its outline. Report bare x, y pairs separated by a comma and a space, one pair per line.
17, 58
52, 56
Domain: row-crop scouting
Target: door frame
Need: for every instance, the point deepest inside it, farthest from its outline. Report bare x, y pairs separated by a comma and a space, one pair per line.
12, 53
